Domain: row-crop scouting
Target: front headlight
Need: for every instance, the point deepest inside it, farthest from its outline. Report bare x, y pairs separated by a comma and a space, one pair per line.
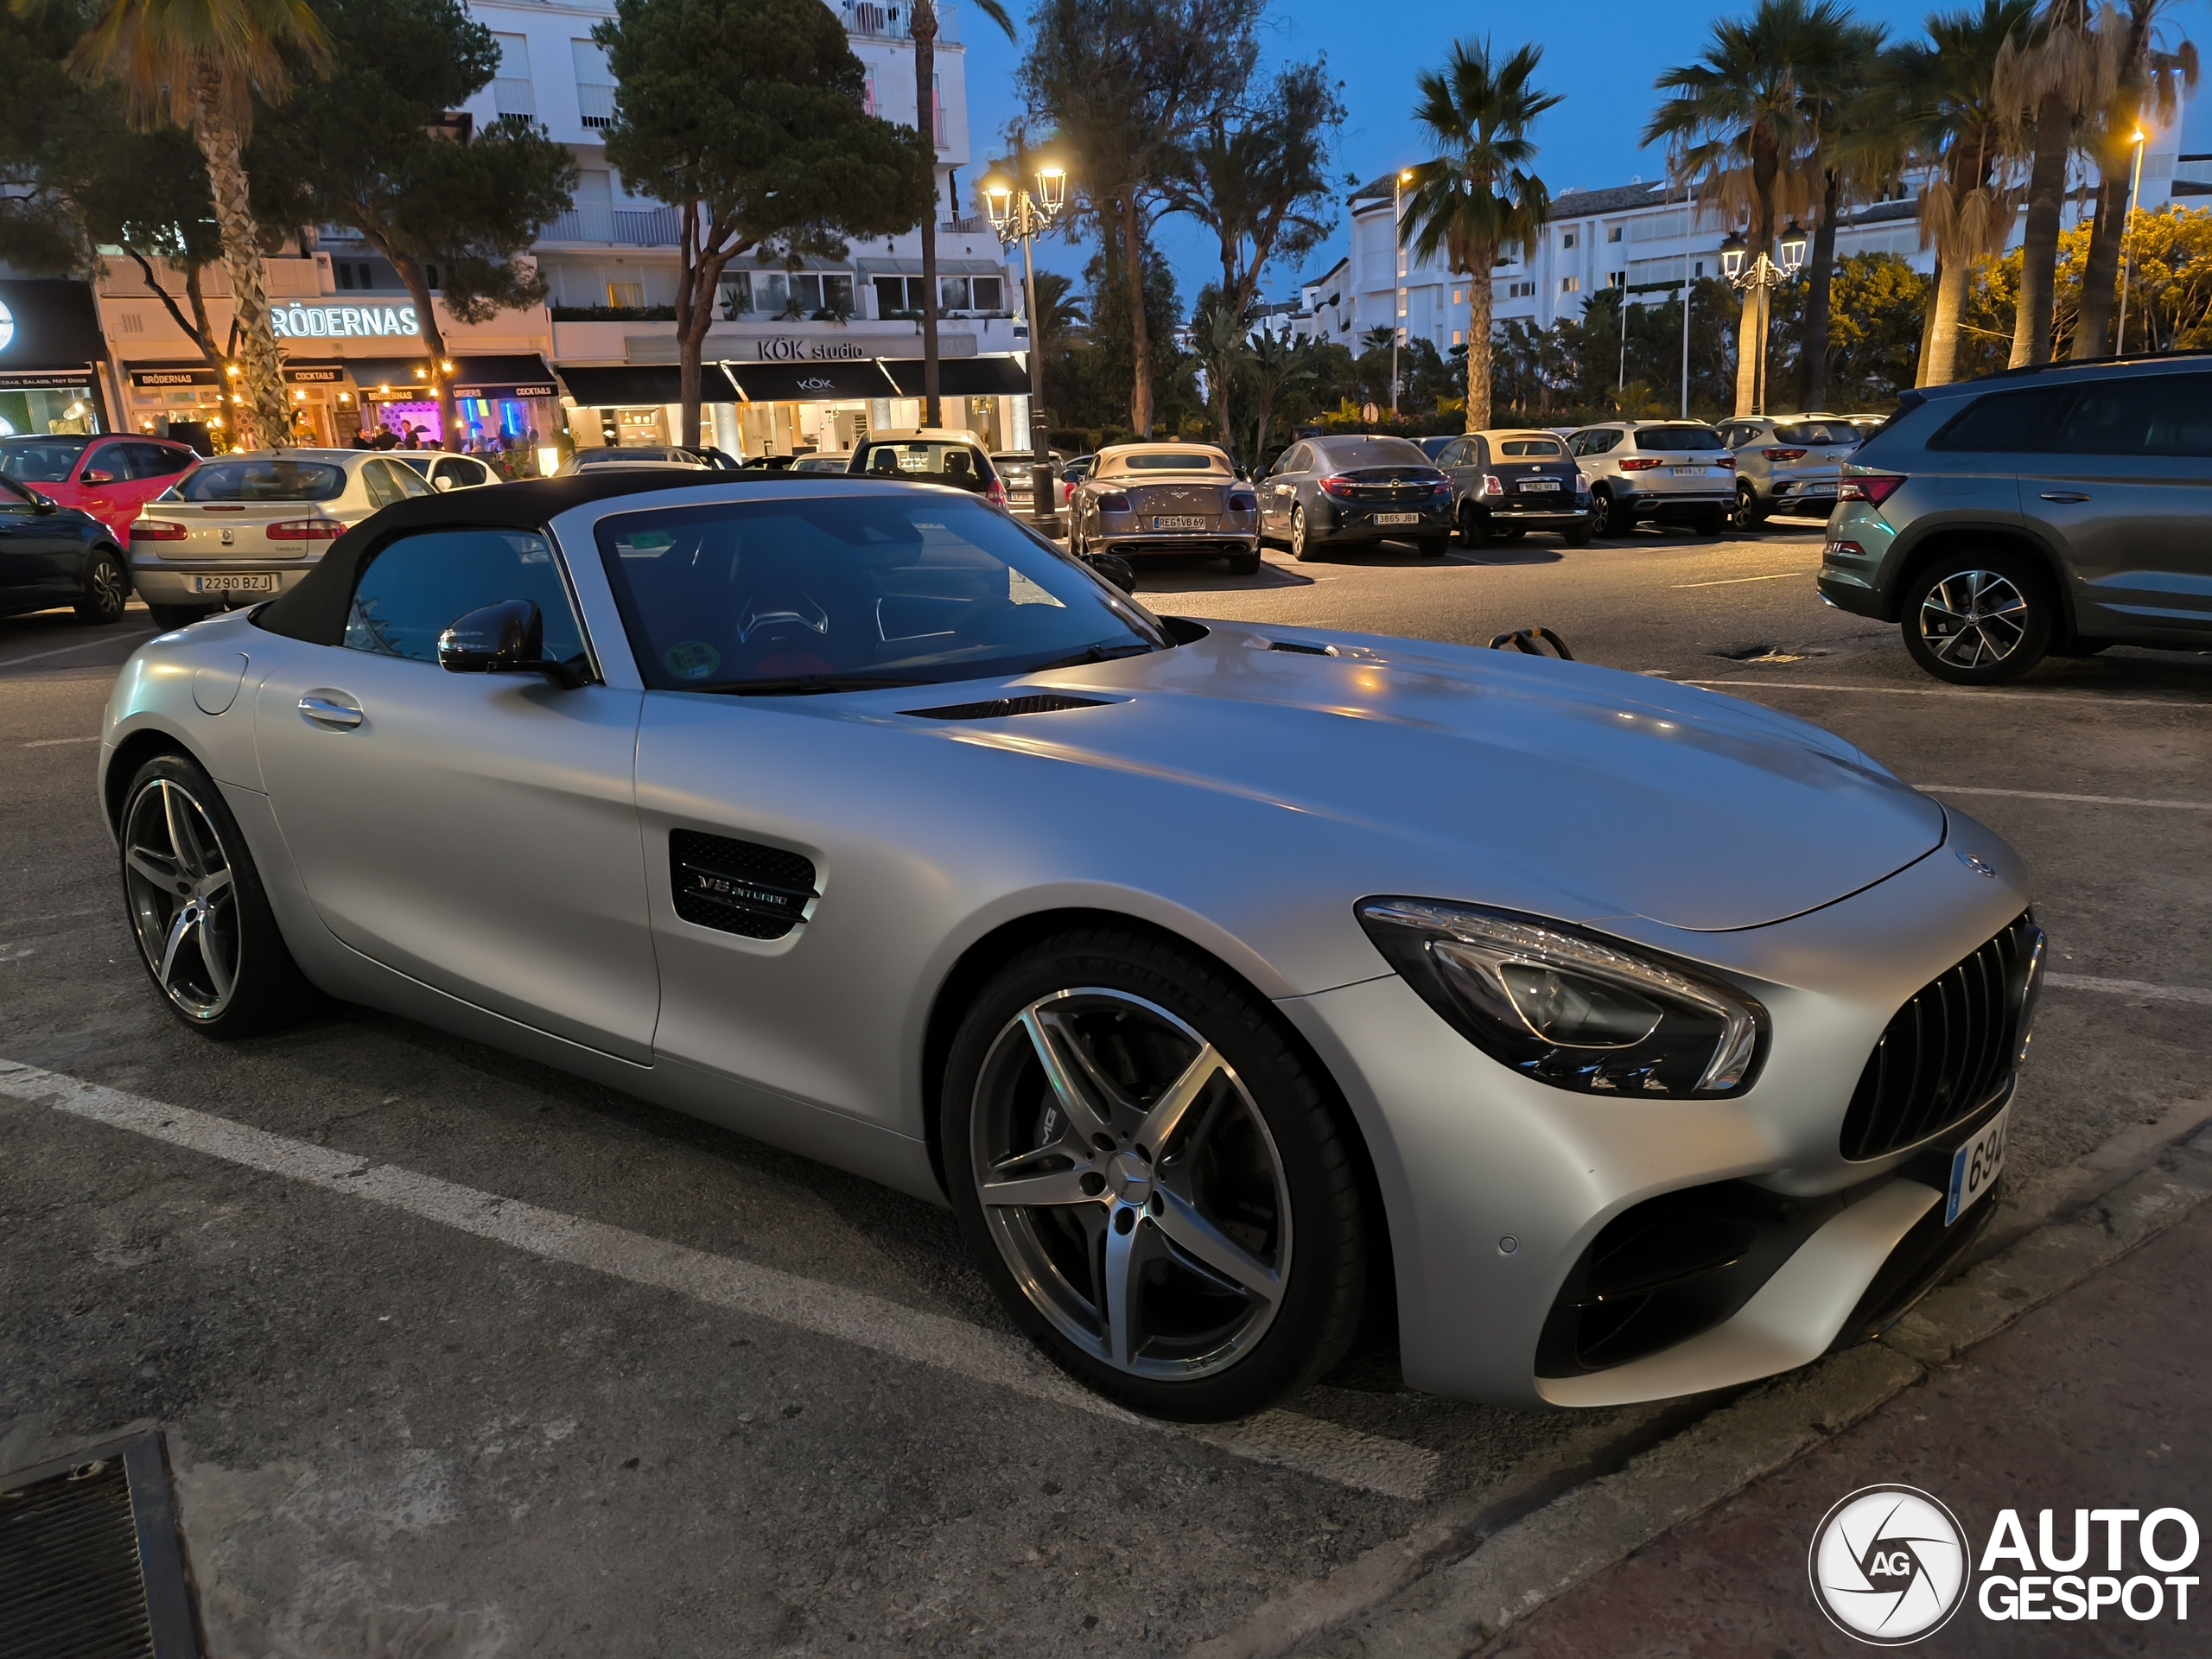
1572, 1009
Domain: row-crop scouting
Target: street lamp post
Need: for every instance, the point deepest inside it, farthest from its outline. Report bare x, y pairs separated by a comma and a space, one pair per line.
1398, 279
1018, 216
2134, 190
1763, 276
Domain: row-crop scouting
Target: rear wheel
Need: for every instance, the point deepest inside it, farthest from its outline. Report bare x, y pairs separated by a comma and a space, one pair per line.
1712, 521
1606, 519
1579, 536
1301, 546
205, 930
1473, 532
177, 616
1151, 1179
1432, 547
1978, 618
1747, 515
107, 589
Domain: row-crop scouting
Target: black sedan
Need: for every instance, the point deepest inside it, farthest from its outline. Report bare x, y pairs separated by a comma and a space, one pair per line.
1511, 482
53, 555
1355, 491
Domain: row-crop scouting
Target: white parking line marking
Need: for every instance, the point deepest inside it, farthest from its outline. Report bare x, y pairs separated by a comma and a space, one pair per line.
2130, 987
1730, 581
82, 645
1280, 1438
2045, 795
1939, 691
56, 742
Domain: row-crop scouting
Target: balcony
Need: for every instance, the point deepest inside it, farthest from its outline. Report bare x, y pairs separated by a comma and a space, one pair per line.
966, 227
514, 95
888, 19
627, 227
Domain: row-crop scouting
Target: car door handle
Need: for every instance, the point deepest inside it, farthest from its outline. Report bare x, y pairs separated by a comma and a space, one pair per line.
326, 710
2065, 495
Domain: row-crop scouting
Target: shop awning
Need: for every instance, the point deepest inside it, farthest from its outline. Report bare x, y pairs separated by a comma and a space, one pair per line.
635, 384
809, 382
963, 377
195, 371
523, 375
945, 267
374, 374
51, 336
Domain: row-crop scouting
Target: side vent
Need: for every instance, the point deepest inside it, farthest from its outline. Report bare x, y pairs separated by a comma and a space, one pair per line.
1299, 647
738, 887
1049, 702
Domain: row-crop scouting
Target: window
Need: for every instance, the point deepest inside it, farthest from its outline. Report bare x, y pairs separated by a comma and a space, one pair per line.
1455, 455
1457, 298
512, 91
990, 292
1528, 448
2154, 415
419, 585
951, 294
625, 294
1458, 337
1613, 233
457, 473
1810, 432
2005, 422
893, 299
383, 488
1677, 438
1570, 284
40, 461
265, 480
157, 459
1566, 238
1401, 301
792, 594
595, 85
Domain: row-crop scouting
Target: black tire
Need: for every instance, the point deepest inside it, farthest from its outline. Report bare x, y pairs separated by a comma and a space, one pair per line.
1433, 547
1978, 618
1302, 547
1156, 1001
1513, 535
177, 616
195, 904
1473, 529
1244, 564
1604, 517
1748, 516
1579, 536
107, 589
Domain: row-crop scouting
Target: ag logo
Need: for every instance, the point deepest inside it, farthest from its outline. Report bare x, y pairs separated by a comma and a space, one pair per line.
1889, 1564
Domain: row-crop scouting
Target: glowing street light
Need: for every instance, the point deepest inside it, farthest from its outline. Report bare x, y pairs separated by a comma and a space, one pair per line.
1018, 215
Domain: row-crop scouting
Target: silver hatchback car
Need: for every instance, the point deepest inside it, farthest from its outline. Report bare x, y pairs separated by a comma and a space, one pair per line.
1674, 472
1788, 463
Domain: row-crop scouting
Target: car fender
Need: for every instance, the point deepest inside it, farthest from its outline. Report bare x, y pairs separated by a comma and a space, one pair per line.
1931, 535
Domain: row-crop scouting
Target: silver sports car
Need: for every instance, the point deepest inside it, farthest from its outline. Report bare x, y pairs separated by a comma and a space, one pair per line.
1223, 979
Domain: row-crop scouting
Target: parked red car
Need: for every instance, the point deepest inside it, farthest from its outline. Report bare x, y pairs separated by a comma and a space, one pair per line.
109, 475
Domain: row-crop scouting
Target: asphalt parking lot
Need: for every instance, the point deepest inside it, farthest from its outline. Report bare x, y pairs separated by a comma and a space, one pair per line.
459, 1357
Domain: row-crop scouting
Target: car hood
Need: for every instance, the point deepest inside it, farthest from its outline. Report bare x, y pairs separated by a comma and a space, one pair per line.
1602, 794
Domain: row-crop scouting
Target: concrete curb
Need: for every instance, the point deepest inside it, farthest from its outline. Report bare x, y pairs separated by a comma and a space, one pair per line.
1413, 1598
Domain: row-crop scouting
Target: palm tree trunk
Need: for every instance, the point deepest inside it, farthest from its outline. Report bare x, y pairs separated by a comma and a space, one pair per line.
1813, 332
1749, 335
262, 383
2039, 240
924, 28
1943, 353
1928, 326
2100, 271
1479, 299
1139, 326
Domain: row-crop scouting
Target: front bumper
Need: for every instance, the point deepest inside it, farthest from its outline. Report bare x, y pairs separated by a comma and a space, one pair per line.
160, 582
1496, 1186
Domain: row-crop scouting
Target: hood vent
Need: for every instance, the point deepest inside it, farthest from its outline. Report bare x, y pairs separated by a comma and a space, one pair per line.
1048, 702
1299, 647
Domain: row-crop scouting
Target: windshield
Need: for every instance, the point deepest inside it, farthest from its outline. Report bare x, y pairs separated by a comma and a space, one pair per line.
262, 480
1678, 438
40, 461
1371, 452
1524, 448
825, 594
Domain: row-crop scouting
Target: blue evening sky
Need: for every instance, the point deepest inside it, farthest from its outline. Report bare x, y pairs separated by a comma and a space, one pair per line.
1601, 54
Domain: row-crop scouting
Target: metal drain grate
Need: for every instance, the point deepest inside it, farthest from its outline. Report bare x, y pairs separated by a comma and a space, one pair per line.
89, 1566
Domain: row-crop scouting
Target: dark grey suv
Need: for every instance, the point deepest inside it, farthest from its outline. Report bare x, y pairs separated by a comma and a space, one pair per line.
2059, 510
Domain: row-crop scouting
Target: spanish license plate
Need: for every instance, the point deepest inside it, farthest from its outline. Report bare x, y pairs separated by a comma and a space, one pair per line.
1397, 517
1697, 472
1180, 521
1974, 1168
263, 583
1548, 484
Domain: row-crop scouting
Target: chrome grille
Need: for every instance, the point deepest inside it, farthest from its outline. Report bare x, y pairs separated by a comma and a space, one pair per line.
1950, 1050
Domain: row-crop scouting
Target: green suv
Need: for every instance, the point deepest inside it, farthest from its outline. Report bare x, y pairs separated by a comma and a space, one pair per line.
2054, 509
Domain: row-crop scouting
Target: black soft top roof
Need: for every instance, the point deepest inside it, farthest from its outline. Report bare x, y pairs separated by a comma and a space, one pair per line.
315, 610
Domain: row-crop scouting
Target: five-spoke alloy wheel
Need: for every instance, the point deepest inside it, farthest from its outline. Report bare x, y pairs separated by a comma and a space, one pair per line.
195, 903
1155, 1187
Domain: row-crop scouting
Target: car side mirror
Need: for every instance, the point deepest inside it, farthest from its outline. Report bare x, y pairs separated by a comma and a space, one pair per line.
508, 637
1116, 568
445, 481
44, 503
96, 477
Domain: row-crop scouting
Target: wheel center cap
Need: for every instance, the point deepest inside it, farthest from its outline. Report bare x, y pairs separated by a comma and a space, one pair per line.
1131, 1177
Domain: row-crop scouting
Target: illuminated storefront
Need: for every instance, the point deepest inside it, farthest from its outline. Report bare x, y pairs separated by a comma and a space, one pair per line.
50, 350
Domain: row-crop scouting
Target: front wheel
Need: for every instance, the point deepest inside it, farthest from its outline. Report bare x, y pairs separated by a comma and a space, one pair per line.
1978, 618
1710, 522
107, 589
1432, 547
1151, 1179
1473, 531
204, 926
1579, 536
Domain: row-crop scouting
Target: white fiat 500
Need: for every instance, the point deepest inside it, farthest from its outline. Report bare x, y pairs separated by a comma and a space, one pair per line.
1195, 966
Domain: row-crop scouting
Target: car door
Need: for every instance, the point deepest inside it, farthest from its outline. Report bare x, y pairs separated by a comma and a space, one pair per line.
1281, 492
150, 468
2124, 492
477, 832
102, 484
41, 549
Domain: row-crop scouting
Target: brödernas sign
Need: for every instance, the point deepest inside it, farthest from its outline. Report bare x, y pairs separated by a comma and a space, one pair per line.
344, 321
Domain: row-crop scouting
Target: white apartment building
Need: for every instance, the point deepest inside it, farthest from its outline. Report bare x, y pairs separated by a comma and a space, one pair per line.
794, 359
1640, 236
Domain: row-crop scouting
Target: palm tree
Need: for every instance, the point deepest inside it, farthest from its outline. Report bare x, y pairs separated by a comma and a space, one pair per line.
2150, 77
1953, 122
1478, 197
922, 24
1739, 130
2052, 78
1218, 343
1838, 87
1059, 312
199, 64
1276, 364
